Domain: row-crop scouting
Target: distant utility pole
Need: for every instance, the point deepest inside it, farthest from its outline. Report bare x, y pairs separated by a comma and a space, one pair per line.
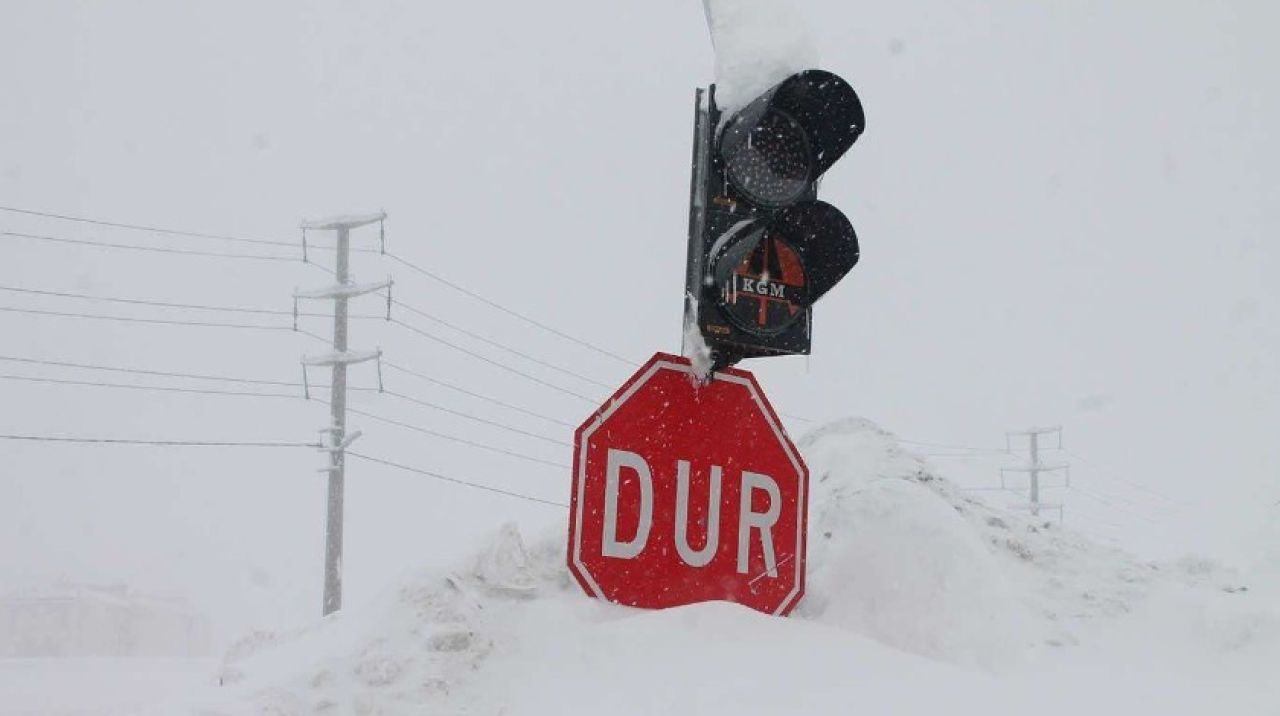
342, 290
1034, 466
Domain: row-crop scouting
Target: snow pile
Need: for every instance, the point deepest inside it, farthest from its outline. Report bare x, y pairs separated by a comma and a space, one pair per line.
758, 43
903, 566
902, 554
511, 634
895, 561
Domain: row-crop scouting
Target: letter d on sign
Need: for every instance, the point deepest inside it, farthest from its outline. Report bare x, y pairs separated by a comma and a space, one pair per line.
611, 547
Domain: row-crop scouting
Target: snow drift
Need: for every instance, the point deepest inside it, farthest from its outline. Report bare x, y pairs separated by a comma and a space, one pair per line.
912, 583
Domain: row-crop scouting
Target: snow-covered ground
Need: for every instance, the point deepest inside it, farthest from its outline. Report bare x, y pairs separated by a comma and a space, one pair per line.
921, 598
97, 686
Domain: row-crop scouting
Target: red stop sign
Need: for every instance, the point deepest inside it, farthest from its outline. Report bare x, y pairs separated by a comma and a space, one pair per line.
686, 493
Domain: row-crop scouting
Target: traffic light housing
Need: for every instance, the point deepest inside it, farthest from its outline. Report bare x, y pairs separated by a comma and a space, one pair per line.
762, 247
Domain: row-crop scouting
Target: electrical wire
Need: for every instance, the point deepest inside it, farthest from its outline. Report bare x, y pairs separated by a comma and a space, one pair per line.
464, 391
289, 384
454, 480
151, 229
292, 396
154, 249
477, 419
491, 361
161, 388
498, 344
141, 371
511, 312
171, 304
943, 446
394, 257
159, 443
452, 438
1107, 473
134, 319
177, 232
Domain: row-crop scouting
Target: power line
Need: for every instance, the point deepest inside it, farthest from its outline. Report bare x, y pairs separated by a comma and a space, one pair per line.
161, 388
159, 443
181, 232
1176, 503
278, 312
267, 242
261, 311
394, 257
943, 446
473, 394
490, 361
498, 344
154, 249
511, 312
453, 438
292, 396
176, 232
171, 304
477, 419
289, 384
134, 319
151, 229
456, 481
141, 371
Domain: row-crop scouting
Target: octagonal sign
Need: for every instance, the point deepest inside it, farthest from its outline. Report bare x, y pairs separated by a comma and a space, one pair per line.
688, 493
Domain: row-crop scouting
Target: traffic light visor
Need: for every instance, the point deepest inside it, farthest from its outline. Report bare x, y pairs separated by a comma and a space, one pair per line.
777, 145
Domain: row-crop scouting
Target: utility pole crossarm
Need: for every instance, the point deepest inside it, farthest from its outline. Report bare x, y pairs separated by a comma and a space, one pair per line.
343, 290
1043, 467
342, 358
1037, 431
344, 221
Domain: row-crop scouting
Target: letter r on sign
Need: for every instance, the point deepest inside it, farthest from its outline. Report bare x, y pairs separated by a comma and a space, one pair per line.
762, 522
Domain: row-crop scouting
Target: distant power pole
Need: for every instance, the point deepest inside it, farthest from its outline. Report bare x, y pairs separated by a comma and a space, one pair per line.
1035, 467
340, 292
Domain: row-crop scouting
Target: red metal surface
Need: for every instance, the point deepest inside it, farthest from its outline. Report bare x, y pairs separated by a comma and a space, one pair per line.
660, 417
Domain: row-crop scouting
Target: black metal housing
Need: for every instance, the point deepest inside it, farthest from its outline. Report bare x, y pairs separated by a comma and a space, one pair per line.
729, 215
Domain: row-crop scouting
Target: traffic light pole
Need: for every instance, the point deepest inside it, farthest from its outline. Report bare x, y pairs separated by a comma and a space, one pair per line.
697, 223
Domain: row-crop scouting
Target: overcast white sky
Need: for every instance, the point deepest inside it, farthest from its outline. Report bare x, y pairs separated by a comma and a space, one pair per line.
1067, 215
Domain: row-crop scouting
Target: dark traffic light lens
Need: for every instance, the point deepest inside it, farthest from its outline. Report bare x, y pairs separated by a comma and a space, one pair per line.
762, 282
770, 162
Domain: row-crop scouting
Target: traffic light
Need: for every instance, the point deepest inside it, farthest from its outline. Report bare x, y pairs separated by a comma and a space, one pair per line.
762, 248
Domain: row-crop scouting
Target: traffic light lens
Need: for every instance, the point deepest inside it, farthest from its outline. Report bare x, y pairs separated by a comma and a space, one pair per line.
770, 162
762, 282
